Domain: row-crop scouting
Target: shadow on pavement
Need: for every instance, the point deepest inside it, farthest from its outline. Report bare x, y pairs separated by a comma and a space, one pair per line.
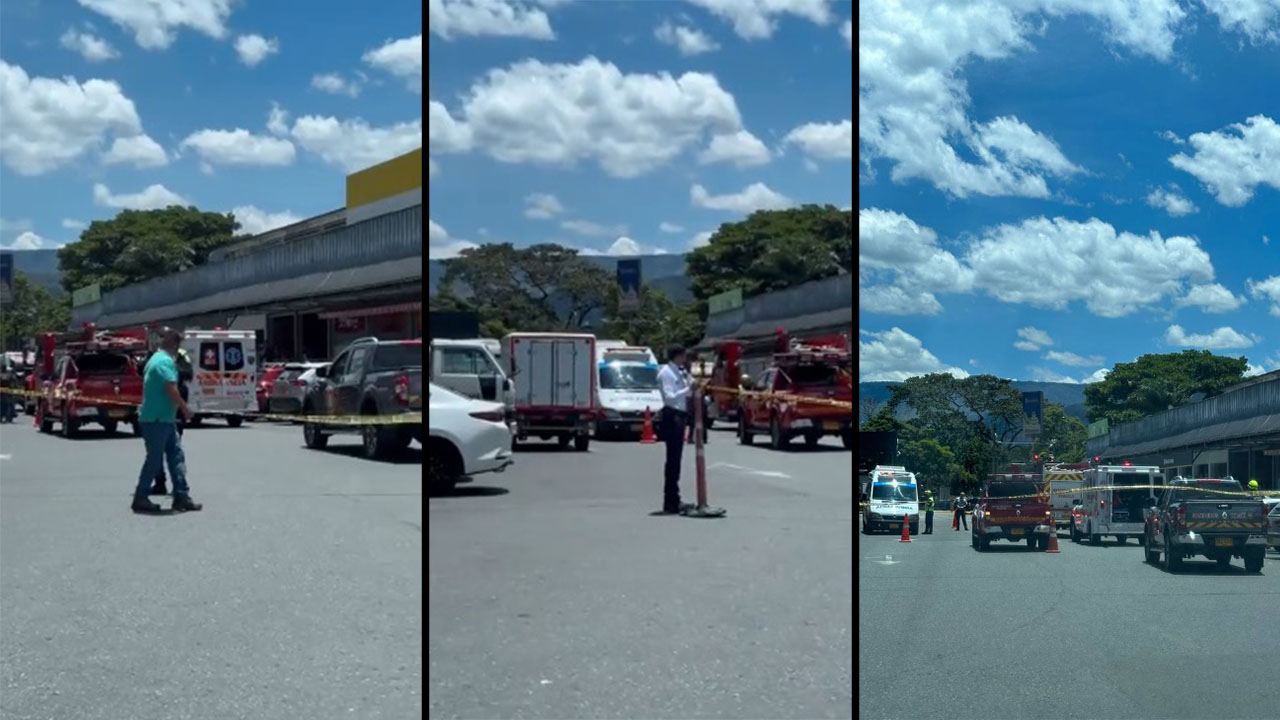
409, 456
472, 491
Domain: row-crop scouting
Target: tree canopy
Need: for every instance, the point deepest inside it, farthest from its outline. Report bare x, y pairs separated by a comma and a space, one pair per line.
32, 310
1155, 383
138, 245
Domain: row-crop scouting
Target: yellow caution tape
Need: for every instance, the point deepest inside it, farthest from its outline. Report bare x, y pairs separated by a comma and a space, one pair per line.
788, 397
1077, 491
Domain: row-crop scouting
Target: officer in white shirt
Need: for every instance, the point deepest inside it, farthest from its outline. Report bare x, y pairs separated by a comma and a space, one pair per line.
676, 390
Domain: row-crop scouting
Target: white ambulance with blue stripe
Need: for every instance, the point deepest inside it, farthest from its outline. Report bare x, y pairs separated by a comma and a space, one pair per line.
627, 385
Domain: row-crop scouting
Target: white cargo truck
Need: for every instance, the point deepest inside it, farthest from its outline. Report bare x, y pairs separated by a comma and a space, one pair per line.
553, 378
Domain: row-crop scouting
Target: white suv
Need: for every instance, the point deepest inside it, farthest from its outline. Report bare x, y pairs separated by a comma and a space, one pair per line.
468, 437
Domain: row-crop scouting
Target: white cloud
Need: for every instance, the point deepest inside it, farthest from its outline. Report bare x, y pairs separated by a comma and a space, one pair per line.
140, 151
354, 144
278, 120
1171, 137
590, 229
756, 196
542, 206
30, 241
1033, 336
256, 221
72, 224
667, 227
1268, 290
624, 246
432, 168
239, 147
1232, 163
1098, 375
445, 134
1222, 338
502, 18
688, 40
334, 84
913, 103
90, 47
48, 123
440, 245
1212, 298
1040, 374
154, 23
1072, 359
1258, 19
895, 355
846, 31
153, 197
1172, 201
701, 239
402, 58
254, 48
1025, 345
741, 148
561, 114
895, 300
901, 264
824, 141
757, 19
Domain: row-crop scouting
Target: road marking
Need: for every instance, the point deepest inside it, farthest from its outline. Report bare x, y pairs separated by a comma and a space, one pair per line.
888, 559
752, 471
6, 457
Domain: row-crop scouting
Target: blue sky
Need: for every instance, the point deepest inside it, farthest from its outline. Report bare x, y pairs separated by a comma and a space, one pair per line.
1049, 188
246, 105
632, 127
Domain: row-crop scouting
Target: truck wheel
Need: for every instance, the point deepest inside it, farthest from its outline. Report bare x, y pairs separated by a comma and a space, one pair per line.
777, 440
1031, 541
46, 422
1223, 560
744, 435
378, 441
1075, 534
1094, 538
811, 440
234, 421
973, 540
1043, 543
564, 441
1253, 561
1121, 538
846, 439
1152, 556
1172, 557
312, 436
69, 427
581, 442
111, 426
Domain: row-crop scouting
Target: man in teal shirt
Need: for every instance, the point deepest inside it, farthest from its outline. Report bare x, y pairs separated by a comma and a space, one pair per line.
161, 403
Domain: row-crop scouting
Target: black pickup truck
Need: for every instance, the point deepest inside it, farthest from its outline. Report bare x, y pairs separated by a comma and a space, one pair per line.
1206, 517
371, 378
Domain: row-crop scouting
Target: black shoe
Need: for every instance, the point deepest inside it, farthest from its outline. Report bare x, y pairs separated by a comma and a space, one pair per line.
184, 503
143, 505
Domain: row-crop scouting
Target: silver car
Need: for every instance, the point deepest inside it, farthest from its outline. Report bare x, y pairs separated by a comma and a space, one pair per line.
291, 387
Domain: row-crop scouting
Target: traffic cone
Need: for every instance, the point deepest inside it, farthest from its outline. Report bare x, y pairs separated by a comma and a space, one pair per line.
646, 437
1053, 536
906, 530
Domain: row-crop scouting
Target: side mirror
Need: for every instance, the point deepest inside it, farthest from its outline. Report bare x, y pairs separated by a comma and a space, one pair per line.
322, 371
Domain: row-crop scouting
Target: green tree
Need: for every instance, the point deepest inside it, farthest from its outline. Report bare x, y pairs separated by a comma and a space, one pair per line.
1155, 383
656, 322
931, 461
772, 250
1063, 437
32, 310
138, 245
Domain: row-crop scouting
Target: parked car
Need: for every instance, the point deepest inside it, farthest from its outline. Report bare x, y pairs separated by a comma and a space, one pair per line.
290, 387
266, 384
376, 380
468, 437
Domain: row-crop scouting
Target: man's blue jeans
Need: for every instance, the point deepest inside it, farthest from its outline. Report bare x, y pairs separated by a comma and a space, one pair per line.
162, 442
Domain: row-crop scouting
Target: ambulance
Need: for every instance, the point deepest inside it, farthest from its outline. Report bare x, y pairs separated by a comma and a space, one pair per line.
224, 364
1113, 499
627, 385
1064, 482
889, 493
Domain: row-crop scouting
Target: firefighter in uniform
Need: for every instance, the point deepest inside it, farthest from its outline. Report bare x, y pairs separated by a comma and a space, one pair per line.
928, 512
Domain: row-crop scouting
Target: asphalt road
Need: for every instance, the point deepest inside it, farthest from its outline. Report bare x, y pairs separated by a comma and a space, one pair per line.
295, 593
1091, 632
555, 594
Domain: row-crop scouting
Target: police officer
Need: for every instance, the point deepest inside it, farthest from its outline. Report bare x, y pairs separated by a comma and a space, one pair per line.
928, 512
960, 505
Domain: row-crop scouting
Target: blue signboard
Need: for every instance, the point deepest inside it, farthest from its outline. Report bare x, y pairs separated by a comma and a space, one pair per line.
629, 283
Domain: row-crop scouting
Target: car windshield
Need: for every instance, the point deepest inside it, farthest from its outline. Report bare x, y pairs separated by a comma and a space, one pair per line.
1022, 489
102, 364
289, 375
1206, 491
620, 376
389, 356
894, 492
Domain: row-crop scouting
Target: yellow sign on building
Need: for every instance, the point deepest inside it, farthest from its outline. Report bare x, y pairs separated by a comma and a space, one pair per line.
386, 187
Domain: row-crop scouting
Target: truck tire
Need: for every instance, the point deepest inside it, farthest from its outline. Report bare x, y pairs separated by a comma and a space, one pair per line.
69, 427
1172, 558
564, 441
811, 440
1152, 556
1094, 538
777, 440
1043, 543
111, 426
313, 437
1223, 560
581, 442
846, 439
378, 441
1121, 538
744, 435
46, 422
1075, 534
1253, 561
234, 421
1032, 542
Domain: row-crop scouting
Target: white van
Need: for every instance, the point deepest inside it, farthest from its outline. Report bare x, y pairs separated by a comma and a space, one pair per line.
626, 385
470, 368
224, 365
888, 494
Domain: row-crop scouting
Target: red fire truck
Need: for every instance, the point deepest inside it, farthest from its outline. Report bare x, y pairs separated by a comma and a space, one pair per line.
90, 376
807, 391
739, 365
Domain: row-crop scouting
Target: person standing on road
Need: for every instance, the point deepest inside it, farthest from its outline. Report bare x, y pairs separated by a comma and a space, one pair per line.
961, 504
676, 389
928, 512
185, 374
161, 402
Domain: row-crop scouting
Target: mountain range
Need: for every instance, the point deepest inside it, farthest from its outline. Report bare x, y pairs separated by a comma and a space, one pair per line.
41, 266
1069, 395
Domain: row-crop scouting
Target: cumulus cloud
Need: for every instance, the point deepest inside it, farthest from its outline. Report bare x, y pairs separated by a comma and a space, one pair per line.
758, 19
895, 355
254, 48
541, 206
1267, 290
432, 168
354, 144
278, 120
667, 227
1257, 19
756, 196
824, 141
30, 241
741, 148
1033, 338
401, 58
153, 197
48, 123
155, 24
140, 151
1233, 162
450, 19
334, 84
1072, 359
913, 103
846, 31
901, 264
440, 245
1171, 201
688, 40
1222, 338
700, 239
1212, 298
90, 47
894, 300
239, 147
256, 221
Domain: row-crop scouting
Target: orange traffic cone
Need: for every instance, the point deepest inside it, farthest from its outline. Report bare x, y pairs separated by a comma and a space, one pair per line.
646, 437
1053, 536
906, 530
